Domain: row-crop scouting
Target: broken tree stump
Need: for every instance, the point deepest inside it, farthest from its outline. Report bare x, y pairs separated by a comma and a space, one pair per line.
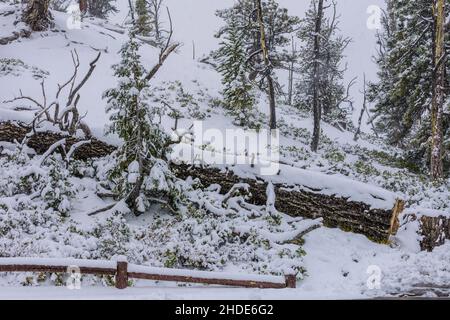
434, 230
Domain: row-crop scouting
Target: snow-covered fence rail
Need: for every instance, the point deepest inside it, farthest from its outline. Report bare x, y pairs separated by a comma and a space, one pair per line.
124, 271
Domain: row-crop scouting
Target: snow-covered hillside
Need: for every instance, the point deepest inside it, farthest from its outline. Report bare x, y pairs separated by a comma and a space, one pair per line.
330, 263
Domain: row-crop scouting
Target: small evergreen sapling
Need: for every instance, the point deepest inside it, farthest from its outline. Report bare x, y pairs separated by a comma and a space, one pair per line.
143, 22
237, 92
136, 122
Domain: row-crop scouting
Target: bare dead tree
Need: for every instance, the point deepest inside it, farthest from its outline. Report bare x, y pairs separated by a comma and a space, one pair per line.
66, 117
266, 70
438, 99
130, 5
363, 110
155, 13
165, 52
291, 70
317, 109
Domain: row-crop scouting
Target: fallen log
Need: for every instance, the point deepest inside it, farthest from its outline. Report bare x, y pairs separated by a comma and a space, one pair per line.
337, 212
41, 141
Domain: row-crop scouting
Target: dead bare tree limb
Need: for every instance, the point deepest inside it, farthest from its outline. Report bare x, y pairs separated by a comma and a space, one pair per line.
168, 48
68, 119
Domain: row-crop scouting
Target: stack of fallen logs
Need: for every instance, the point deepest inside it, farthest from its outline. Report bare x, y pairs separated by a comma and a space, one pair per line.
337, 212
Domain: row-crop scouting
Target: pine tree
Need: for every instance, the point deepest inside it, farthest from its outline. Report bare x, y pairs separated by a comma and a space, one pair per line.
140, 159
406, 59
101, 8
142, 23
238, 96
277, 21
266, 30
320, 88
278, 28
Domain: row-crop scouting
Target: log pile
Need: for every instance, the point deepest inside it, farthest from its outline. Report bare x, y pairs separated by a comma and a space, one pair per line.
337, 212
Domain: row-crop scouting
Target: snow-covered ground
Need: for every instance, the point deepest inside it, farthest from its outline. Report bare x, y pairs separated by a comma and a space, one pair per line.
338, 264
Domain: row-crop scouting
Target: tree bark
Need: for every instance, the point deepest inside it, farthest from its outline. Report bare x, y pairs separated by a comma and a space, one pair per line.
317, 108
437, 108
83, 4
434, 231
291, 73
363, 109
37, 15
41, 141
268, 64
357, 217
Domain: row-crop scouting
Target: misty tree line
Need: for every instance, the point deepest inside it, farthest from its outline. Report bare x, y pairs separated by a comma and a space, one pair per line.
260, 38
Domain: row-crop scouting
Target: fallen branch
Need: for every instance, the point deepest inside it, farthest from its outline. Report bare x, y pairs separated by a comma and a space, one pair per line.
104, 209
50, 150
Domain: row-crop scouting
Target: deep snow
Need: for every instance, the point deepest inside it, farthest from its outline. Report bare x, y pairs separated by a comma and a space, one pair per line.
337, 263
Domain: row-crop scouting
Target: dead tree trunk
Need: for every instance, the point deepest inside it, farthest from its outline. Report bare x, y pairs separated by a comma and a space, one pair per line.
437, 108
37, 15
363, 110
292, 58
376, 224
83, 4
42, 141
155, 12
268, 66
317, 108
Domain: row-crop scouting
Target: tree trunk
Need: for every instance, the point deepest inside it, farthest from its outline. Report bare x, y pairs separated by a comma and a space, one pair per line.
434, 230
364, 107
37, 15
268, 64
273, 115
41, 141
357, 217
130, 5
83, 6
317, 108
437, 108
291, 73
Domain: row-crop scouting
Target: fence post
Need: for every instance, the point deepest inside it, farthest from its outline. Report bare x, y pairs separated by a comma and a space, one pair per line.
122, 273
291, 280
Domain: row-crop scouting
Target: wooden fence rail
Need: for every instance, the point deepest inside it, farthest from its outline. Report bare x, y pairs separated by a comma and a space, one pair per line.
124, 271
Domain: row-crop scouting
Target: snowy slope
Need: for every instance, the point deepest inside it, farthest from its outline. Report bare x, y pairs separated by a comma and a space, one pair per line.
194, 21
336, 262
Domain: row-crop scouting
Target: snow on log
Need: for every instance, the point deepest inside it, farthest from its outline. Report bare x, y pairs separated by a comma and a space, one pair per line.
42, 141
340, 202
